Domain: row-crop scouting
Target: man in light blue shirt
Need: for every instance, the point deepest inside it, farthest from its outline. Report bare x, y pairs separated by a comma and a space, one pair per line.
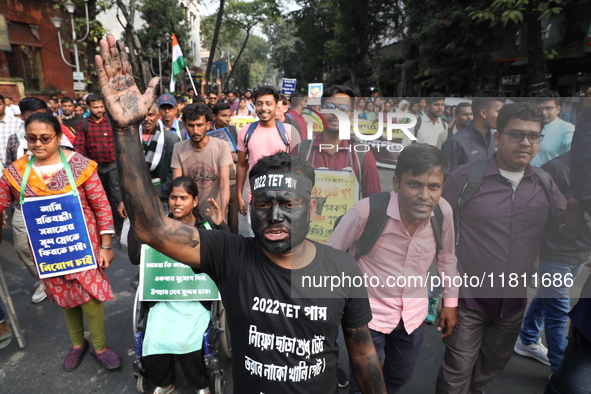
557, 133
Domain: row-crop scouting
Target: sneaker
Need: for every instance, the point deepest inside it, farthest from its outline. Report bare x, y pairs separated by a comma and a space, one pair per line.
432, 311
109, 359
343, 380
164, 390
534, 350
39, 294
203, 391
74, 357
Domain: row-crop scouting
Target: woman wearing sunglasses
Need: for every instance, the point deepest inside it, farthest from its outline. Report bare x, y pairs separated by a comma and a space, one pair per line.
48, 171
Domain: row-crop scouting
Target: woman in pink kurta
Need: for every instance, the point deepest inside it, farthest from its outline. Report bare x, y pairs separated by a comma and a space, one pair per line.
80, 294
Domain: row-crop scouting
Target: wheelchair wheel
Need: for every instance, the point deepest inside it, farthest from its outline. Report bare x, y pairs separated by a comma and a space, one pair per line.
136, 311
141, 384
216, 385
225, 334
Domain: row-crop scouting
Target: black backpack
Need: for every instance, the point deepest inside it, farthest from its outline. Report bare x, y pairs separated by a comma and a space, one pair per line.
445, 127
476, 178
376, 222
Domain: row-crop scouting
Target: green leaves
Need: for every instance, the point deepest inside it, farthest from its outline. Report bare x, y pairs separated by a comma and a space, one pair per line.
512, 11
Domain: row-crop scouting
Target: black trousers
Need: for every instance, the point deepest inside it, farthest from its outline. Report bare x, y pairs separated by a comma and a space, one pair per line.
160, 369
107, 172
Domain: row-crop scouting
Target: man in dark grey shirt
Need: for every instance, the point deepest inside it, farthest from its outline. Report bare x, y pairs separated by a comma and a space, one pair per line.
476, 142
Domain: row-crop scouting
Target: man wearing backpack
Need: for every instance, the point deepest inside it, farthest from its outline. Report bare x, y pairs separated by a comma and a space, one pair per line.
431, 123
502, 207
417, 228
328, 151
262, 138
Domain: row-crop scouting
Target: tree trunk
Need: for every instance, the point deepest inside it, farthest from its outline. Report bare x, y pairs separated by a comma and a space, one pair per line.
214, 41
91, 51
536, 65
141, 70
354, 80
237, 59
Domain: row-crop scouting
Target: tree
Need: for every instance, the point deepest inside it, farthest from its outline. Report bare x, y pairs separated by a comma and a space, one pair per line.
254, 59
245, 16
359, 31
214, 41
314, 24
452, 50
163, 16
137, 56
528, 14
287, 48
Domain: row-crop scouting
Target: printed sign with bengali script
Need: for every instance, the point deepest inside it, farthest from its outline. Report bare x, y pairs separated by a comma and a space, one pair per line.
335, 192
58, 235
163, 279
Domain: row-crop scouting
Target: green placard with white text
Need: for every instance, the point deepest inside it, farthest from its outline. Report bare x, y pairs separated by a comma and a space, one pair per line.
163, 279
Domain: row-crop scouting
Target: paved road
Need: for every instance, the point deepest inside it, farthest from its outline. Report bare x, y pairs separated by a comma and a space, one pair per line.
38, 367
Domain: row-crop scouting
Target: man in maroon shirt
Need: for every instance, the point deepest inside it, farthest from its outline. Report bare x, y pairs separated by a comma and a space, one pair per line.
94, 139
330, 152
298, 103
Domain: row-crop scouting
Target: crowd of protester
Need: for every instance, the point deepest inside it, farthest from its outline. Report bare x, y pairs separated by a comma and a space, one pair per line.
516, 219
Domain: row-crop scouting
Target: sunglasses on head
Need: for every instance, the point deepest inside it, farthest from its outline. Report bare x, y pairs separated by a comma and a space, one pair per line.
32, 139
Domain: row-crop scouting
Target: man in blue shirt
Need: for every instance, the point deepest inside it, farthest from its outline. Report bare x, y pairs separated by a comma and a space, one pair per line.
557, 133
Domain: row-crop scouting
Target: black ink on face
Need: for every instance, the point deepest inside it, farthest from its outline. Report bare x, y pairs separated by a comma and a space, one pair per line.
280, 220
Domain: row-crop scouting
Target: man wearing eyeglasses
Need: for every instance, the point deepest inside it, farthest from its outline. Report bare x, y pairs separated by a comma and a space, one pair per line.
558, 133
328, 151
500, 231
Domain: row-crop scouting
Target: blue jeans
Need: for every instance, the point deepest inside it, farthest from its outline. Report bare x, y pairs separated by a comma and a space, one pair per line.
549, 311
402, 353
574, 374
1, 313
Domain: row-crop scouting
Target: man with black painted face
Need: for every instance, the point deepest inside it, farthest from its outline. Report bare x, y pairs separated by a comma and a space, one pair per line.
282, 336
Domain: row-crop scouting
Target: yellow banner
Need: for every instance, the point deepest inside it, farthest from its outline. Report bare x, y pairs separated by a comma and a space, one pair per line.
364, 126
335, 191
367, 127
241, 121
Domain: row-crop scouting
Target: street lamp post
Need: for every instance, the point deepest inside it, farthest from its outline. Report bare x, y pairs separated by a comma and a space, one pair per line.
57, 22
159, 44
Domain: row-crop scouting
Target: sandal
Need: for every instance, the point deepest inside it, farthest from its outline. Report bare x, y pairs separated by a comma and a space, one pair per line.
109, 359
74, 357
164, 390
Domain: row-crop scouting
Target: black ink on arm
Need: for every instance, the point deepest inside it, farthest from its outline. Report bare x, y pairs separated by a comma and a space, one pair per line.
365, 363
173, 238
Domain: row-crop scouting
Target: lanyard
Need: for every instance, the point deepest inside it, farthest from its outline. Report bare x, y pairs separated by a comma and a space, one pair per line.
28, 171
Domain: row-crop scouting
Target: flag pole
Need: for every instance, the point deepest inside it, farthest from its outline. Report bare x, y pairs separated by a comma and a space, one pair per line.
191, 79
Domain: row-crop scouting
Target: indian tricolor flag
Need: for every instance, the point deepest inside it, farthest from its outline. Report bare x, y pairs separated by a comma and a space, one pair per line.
178, 61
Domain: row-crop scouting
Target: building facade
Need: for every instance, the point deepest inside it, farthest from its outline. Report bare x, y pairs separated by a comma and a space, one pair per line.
30, 60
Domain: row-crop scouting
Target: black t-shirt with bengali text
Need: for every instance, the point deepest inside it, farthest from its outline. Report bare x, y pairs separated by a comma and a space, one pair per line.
281, 344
